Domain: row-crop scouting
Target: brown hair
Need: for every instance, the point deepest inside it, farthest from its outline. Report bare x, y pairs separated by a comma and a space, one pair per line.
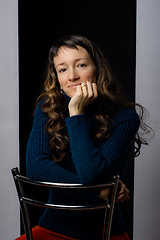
110, 97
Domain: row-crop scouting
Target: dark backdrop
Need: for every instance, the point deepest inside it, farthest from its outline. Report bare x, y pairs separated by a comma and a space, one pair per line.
111, 24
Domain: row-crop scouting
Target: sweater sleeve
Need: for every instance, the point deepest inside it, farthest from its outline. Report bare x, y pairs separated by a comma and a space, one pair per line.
91, 161
39, 165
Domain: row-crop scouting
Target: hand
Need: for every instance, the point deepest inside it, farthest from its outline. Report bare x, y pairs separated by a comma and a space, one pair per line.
123, 192
122, 195
104, 193
85, 94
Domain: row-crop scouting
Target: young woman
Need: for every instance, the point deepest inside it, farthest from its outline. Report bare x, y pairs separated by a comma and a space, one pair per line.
83, 132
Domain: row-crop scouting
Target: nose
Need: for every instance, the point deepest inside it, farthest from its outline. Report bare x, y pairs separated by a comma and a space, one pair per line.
73, 75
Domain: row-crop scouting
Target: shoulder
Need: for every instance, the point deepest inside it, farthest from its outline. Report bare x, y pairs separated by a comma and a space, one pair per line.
126, 116
39, 113
125, 113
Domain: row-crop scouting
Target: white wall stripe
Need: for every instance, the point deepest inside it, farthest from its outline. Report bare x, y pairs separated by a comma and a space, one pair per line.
147, 166
9, 111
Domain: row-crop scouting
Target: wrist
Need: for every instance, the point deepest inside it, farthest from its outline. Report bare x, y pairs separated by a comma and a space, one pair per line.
73, 113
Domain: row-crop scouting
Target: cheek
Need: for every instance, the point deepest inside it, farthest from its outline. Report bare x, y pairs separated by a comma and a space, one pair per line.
61, 81
91, 76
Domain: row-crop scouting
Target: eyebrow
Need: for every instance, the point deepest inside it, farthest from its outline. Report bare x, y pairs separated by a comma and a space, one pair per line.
63, 63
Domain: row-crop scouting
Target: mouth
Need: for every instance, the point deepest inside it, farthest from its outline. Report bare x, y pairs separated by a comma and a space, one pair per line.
73, 85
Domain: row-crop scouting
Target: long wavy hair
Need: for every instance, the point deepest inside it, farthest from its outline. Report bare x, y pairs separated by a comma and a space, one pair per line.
110, 98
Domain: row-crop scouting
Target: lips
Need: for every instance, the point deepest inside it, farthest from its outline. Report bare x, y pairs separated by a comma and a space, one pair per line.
74, 85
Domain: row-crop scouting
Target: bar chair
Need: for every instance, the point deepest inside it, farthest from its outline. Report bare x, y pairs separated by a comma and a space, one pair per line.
20, 180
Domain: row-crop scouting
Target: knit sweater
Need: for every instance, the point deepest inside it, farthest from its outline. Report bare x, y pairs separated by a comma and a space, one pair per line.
87, 163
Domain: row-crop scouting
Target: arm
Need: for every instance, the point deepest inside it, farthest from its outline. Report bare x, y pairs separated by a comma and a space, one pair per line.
39, 165
38, 161
91, 162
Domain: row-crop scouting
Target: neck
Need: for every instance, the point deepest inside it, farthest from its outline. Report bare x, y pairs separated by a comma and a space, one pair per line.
67, 97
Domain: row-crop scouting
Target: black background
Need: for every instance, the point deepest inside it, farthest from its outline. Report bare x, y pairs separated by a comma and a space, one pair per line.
111, 24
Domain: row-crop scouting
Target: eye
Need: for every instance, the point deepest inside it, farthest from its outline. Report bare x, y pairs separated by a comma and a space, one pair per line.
82, 65
62, 70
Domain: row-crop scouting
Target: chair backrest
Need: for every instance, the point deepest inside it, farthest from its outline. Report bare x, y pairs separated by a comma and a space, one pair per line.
24, 201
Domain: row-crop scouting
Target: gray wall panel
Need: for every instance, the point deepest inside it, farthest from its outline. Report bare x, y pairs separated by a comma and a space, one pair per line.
147, 166
9, 146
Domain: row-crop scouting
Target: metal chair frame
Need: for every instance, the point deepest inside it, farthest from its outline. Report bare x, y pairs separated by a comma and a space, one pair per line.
24, 201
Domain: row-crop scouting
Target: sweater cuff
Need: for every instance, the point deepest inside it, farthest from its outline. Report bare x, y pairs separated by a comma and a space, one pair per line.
79, 121
78, 128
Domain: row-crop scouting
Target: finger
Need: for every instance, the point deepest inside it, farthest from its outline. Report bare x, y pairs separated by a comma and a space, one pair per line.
122, 188
90, 90
84, 89
79, 91
123, 198
123, 191
121, 201
94, 87
123, 195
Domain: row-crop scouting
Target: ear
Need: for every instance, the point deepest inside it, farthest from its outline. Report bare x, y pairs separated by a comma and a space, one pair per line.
61, 90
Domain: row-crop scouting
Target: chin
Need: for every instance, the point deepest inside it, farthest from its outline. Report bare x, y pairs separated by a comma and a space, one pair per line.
70, 94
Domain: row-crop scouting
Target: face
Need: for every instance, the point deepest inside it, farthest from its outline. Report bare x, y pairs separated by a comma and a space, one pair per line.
73, 67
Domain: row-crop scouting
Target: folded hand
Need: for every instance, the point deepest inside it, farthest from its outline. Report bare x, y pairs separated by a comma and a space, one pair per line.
85, 94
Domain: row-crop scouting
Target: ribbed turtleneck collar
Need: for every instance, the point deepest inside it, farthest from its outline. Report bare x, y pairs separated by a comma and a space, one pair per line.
67, 98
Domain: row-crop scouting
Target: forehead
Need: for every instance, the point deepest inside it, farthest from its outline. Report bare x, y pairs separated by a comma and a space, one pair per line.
66, 54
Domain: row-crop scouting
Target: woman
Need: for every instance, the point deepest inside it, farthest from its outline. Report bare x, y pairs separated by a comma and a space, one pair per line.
83, 132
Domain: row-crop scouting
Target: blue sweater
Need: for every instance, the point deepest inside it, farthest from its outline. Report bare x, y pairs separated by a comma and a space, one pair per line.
87, 163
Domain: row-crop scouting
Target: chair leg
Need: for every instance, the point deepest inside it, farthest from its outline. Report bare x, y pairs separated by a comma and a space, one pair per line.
24, 209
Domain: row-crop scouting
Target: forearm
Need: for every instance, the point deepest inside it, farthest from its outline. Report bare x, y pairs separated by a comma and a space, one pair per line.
87, 158
90, 160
